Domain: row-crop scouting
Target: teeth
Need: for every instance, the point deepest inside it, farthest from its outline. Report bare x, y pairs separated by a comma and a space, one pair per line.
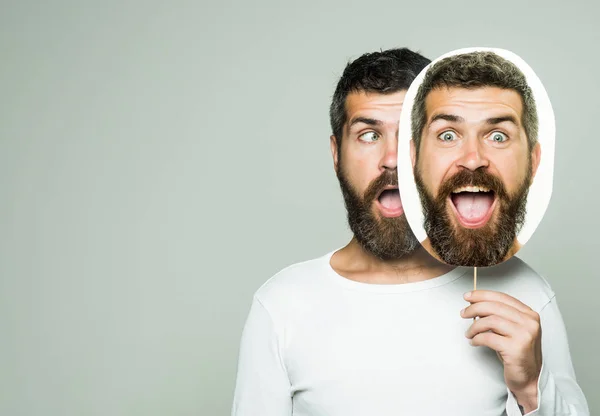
471, 189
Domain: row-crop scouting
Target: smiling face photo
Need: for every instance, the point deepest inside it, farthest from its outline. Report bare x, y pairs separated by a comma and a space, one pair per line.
474, 153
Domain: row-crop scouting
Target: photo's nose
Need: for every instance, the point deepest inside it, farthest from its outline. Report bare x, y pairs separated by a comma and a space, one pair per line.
473, 156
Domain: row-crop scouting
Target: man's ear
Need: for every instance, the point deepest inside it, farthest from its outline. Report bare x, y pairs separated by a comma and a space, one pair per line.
334, 151
413, 153
536, 155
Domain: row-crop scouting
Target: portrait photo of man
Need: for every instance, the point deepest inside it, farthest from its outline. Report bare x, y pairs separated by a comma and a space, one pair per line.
475, 154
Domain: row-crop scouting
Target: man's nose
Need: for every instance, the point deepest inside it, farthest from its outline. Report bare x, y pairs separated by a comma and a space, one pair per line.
389, 158
473, 155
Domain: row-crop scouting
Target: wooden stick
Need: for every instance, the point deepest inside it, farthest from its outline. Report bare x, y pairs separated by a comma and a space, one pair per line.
474, 284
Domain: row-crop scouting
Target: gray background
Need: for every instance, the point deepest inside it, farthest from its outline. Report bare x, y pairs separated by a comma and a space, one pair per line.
159, 162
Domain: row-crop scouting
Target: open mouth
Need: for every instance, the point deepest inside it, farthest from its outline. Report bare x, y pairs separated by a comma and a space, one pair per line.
473, 205
389, 202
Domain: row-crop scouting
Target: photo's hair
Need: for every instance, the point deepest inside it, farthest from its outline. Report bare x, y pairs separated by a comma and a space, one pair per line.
383, 72
475, 70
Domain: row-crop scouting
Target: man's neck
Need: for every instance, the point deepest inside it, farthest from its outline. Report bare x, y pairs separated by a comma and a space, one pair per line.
355, 263
513, 250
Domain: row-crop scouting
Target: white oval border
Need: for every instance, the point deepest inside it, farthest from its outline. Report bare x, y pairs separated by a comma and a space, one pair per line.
540, 190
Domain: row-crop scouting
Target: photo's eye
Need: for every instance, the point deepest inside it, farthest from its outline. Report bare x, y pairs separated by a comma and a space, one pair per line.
498, 137
369, 136
447, 136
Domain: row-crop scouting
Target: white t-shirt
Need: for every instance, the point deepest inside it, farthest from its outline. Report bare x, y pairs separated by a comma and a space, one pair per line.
318, 344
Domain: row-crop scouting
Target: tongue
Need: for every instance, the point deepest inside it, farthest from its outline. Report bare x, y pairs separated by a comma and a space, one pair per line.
473, 206
390, 199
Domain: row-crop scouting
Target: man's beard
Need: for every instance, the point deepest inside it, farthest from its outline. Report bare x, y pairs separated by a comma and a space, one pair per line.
385, 238
480, 247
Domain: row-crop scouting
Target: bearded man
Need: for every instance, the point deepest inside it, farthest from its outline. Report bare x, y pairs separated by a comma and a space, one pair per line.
380, 327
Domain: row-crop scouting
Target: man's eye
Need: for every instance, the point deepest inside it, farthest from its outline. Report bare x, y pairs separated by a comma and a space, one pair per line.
447, 136
369, 136
498, 137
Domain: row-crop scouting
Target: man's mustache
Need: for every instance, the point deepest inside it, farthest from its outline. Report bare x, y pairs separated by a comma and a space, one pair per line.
388, 177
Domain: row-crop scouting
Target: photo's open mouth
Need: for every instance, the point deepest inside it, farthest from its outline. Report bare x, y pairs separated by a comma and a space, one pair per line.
473, 205
389, 202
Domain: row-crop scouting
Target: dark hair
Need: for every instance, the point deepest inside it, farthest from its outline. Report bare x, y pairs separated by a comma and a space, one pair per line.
475, 70
384, 72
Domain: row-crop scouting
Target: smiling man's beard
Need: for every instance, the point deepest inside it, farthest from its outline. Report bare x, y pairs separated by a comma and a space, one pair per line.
385, 238
481, 247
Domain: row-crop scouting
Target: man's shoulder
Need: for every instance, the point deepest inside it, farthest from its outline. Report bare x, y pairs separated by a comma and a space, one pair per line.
294, 281
519, 279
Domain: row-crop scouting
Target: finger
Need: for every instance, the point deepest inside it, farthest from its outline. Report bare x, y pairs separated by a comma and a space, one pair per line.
494, 296
483, 309
491, 340
493, 323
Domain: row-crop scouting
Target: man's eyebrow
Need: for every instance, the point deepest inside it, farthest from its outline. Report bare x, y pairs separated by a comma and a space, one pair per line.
498, 120
448, 117
365, 120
